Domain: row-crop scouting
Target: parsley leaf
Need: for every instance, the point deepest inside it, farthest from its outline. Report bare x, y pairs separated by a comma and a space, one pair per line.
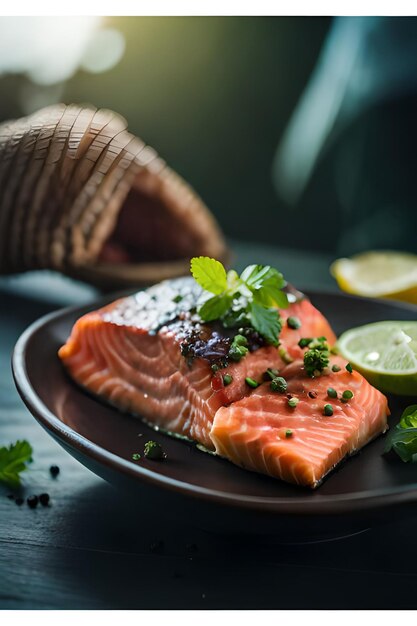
13, 461
210, 274
403, 439
266, 322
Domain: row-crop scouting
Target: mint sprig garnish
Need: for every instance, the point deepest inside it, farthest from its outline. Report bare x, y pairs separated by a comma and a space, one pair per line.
252, 298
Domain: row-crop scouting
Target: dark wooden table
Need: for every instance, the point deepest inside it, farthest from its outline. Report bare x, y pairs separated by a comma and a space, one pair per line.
97, 548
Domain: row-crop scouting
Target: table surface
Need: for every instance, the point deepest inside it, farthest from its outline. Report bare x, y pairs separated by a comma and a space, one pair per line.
96, 548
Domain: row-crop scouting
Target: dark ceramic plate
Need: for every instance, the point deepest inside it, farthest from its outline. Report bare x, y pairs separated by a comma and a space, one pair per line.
210, 491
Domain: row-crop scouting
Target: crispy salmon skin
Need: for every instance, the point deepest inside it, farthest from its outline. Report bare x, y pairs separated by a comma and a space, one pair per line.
149, 355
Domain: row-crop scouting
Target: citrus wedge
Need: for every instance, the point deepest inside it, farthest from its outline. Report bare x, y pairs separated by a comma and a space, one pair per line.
385, 353
378, 275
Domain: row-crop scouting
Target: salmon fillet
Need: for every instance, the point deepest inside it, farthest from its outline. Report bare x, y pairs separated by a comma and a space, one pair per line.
149, 355
300, 445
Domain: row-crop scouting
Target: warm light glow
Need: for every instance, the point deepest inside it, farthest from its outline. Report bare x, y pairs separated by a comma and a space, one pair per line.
50, 49
104, 50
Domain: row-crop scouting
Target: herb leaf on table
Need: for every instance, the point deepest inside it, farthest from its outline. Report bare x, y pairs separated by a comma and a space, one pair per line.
13, 461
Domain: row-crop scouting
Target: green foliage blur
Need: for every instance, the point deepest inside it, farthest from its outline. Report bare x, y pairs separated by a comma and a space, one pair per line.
212, 95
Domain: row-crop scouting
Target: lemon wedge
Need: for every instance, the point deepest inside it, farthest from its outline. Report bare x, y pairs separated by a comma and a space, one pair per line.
378, 275
385, 353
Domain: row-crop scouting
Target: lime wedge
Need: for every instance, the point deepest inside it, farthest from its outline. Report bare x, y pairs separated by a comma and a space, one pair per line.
378, 275
385, 353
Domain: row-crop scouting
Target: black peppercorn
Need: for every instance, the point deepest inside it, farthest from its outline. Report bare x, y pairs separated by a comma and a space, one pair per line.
44, 499
54, 470
32, 501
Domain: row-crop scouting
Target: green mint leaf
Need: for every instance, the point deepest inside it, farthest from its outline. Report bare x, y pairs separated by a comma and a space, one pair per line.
266, 322
209, 274
13, 461
266, 284
256, 275
269, 296
214, 308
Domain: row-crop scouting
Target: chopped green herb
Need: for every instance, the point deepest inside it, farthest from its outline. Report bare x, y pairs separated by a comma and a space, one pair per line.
153, 450
319, 343
332, 393
227, 379
315, 360
177, 298
237, 352
240, 340
305, 341
335, 368
293, 322
252, 383
328, 410
136, 456
349, 368
13, 461
256, 293
270, 374
279, 384
292, 402
347, 395
288, 433
284, 355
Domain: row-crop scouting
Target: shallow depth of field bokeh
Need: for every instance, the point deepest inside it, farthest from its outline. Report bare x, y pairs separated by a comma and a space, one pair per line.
297, 132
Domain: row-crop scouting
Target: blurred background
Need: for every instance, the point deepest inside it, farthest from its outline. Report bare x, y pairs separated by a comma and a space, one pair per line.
297, 132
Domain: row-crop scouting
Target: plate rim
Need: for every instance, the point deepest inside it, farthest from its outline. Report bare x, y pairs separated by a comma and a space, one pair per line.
337, 504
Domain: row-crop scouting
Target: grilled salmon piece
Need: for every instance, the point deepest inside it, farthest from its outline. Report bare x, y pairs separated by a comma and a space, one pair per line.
133, 354
300, 445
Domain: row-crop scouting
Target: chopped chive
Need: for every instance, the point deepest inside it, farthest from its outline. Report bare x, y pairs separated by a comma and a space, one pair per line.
136, 456
288, 433
332, 393
252, 383
177, 298
227, 379
293, 322
279, 384
328, 410
237, 352
347, 395
349, 368
335, 368
240, 340
292, 402
270, 374
284, 355
304, 342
